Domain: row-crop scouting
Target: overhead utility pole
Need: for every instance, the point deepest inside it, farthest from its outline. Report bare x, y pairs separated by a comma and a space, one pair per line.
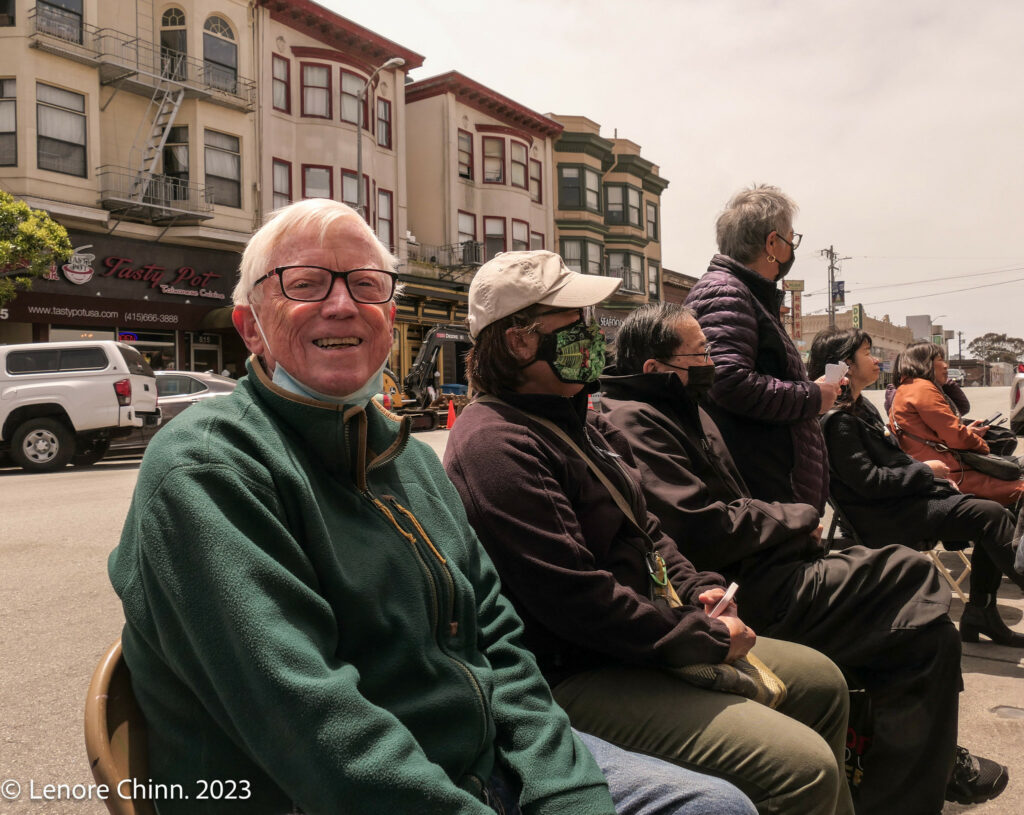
830, 253
960, 346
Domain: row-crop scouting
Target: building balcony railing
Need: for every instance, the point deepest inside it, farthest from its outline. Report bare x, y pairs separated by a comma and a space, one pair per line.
153, 198
137, 64
451, 258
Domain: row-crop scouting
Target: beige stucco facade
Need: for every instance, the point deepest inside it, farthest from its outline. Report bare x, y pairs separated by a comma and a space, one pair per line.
479, 175
608, 213
305, 41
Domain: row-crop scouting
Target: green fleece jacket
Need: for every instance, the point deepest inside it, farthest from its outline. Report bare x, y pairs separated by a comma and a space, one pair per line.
310, 616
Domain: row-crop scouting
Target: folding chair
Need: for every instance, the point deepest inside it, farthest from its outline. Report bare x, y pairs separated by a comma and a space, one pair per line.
839, 518
954, 582
115, 734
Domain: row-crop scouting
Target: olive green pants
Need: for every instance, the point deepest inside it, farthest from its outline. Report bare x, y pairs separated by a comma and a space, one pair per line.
789, 760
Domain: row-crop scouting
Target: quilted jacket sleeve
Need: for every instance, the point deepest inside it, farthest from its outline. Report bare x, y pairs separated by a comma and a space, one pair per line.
727, 316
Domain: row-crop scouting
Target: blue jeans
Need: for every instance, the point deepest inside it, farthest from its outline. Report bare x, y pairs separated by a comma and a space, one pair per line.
642, 785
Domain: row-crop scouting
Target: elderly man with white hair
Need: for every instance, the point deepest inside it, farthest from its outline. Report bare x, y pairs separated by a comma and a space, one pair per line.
310, 620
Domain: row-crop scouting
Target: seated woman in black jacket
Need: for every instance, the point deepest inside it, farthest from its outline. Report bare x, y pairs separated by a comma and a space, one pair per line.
889, 497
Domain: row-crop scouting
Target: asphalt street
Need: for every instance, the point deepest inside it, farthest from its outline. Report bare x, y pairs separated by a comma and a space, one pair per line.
60, 614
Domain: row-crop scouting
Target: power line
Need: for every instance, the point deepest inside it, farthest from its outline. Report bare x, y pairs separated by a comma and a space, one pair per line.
941, 293
929, 280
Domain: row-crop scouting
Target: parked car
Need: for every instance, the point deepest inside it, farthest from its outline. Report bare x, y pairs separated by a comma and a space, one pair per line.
1017, 405
66, 401
176, 391
956, 375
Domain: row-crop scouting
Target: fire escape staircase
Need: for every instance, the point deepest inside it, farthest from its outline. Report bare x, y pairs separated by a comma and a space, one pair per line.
166, 101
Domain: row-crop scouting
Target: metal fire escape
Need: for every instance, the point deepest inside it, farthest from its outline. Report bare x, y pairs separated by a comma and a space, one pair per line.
161, 112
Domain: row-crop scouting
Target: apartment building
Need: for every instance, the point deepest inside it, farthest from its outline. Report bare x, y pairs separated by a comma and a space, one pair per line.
608, 214
479, 175
131, 122
332, 114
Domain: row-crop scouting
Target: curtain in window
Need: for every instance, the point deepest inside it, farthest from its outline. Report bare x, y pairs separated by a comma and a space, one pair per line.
351, 87
315, 101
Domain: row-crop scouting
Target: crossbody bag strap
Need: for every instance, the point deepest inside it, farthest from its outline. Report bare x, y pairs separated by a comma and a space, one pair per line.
655, 563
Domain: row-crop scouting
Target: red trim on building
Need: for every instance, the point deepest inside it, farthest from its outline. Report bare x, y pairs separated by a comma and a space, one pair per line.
485, 100
304, 51
338, 32
522, 135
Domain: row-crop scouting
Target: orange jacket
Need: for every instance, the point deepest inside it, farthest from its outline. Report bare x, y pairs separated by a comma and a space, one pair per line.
920, 409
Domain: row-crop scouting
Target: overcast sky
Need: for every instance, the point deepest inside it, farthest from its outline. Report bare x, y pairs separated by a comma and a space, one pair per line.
896, 125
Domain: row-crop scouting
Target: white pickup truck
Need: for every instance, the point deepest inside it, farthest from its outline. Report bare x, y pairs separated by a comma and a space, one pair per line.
64, 401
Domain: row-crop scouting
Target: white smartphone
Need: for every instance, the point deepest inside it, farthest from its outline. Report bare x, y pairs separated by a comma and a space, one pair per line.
723, 604
834, 371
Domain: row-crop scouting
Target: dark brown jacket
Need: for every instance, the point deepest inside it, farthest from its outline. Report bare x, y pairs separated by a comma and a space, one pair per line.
693, 487
570, 561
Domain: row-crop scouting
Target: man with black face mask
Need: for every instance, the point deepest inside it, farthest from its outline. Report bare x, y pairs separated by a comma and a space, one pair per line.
879, 614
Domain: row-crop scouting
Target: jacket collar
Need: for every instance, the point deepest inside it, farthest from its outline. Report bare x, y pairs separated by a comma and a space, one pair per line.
663, 390
352, 438
763, 289
567, 412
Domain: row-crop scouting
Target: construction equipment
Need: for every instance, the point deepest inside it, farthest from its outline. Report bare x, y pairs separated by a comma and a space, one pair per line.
420, 397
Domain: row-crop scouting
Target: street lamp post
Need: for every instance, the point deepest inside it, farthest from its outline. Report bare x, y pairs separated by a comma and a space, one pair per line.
394, 62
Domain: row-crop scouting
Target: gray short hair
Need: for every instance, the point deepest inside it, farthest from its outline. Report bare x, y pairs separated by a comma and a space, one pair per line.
749, 217
313, 213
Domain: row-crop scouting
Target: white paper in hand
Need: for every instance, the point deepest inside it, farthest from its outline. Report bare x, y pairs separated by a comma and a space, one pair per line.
834, 371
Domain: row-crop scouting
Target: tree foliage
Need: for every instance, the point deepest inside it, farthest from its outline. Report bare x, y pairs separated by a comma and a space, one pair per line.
30, 243
994, 347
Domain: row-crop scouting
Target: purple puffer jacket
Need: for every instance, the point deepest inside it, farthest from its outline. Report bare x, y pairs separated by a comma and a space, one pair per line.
762, 400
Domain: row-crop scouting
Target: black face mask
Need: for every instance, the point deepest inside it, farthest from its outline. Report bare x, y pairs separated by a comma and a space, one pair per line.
699, 379
785, 267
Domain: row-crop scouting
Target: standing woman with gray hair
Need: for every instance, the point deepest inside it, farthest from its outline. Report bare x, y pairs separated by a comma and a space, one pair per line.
762, 400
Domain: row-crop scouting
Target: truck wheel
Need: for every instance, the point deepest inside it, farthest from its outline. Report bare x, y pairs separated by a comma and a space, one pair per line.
91, 455
39, 445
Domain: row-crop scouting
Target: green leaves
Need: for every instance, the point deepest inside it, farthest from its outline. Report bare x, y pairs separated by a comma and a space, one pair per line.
31, 242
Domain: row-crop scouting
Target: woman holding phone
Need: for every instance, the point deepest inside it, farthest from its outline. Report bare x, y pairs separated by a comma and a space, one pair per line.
889, 497
921, 417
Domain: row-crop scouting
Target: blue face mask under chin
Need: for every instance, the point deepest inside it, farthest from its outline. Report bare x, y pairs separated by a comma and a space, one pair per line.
284, 380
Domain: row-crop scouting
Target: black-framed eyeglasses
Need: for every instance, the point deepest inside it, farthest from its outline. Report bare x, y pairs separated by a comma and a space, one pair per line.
312, 284
706, 355
793, 244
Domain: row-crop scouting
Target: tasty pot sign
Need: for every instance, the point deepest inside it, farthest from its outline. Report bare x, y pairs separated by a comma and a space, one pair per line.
125, 268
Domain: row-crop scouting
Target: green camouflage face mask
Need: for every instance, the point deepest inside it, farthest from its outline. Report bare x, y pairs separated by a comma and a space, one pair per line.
575, 353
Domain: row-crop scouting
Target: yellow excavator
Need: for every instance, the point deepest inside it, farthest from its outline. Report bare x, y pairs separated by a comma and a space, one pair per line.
419, 397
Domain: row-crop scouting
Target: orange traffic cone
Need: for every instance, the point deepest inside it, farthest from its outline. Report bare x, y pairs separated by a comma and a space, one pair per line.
450, 422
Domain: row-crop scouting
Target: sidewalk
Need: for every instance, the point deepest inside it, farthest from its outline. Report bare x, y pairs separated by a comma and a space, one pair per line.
992, 704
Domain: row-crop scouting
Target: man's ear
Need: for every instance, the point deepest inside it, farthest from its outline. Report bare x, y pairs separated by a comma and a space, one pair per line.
650, 366
245, 325
519, 343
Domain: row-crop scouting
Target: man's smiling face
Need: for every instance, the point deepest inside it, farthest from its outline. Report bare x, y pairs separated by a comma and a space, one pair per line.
333, 346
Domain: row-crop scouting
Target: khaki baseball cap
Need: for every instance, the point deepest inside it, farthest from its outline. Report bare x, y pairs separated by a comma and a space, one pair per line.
512, 281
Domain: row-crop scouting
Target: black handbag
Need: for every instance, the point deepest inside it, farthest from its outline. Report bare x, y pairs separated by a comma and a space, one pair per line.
1001, 441
1005, 468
